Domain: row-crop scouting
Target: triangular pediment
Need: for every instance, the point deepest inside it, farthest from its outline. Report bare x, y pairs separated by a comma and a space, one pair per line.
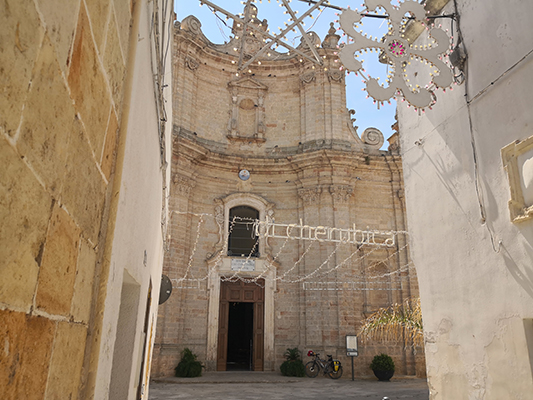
247, 83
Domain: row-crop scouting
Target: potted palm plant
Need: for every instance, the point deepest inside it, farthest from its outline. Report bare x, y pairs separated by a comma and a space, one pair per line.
395, 323
383, 367
189, 366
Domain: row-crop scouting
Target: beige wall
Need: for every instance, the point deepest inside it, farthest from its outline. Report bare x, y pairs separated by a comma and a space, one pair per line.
65, 68
473, 262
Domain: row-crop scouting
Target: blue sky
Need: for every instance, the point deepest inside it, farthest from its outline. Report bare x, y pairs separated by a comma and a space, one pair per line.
367, 114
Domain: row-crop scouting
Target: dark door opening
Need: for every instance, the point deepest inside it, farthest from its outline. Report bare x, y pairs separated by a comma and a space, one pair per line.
241, 331
240, 337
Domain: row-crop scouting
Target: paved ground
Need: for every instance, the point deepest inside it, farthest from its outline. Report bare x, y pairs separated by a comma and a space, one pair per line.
272, 386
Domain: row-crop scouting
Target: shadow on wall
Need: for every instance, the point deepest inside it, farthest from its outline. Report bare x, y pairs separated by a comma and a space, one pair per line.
523, 278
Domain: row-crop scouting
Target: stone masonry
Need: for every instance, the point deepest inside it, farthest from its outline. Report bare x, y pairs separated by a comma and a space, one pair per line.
62, 67
286, 122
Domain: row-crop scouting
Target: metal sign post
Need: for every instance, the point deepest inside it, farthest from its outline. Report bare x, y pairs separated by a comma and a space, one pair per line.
351, 349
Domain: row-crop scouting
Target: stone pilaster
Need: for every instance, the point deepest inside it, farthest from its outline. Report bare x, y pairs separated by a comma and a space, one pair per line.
310, 196
341, 194
348, 301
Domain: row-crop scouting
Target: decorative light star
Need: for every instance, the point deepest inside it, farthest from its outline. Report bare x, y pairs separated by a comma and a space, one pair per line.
397, 51
248, 21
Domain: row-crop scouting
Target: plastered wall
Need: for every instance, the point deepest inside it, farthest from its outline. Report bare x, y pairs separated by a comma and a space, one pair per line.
473, 262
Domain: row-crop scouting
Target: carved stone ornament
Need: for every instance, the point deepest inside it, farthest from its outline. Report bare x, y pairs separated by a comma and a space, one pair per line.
247, 111
219, 211
401, 193
192, 24
517, 160
335, 76
312, 38
332, 39
219, 219
310, 195
307, 78
341, 193
191, 63
222, 209
394, 143
373, 137
183, 184
247, 104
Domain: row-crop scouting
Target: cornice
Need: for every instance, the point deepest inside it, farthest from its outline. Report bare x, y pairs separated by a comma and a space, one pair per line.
212, 154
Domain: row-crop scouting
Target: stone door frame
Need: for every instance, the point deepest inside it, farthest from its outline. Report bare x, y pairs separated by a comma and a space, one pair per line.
214, 310
220, 266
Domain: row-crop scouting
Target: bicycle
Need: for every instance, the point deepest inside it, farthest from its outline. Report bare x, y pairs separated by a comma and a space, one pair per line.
331, 367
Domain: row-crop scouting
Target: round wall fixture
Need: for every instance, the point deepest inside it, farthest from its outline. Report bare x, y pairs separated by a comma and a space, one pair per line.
166, 289
244, 174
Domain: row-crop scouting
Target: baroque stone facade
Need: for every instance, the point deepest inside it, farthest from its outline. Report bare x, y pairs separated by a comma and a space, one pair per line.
285, 122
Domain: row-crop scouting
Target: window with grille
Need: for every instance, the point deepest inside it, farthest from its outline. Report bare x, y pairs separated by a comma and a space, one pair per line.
242, 240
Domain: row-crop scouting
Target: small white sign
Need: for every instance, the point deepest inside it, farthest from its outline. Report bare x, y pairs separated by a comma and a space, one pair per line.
242, 264
351, 346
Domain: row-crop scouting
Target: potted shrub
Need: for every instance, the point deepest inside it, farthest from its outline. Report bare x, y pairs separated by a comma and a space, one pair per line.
293, 365
189, 366
383, 367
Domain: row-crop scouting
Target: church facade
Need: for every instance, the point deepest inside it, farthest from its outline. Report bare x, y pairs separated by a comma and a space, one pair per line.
275, 143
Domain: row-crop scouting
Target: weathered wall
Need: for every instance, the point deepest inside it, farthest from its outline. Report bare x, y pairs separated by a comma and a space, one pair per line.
307, 163
473, 263
136, 257
63, 101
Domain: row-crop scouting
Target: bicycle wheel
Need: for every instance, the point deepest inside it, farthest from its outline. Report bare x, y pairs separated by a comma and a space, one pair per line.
312, 369
335, 374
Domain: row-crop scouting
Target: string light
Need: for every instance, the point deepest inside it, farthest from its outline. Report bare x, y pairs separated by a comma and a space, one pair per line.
294, 22
395, 48
357, 256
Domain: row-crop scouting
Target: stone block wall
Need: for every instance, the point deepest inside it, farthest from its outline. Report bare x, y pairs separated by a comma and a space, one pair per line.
62, 68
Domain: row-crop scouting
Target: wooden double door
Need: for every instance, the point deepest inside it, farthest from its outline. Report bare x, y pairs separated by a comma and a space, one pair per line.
241, 326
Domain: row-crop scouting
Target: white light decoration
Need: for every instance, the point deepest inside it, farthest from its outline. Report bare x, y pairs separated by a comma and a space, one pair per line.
251, 25
323, 274
398, 52
270, 229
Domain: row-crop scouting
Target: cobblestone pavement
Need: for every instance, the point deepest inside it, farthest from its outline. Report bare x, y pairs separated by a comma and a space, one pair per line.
271, 386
